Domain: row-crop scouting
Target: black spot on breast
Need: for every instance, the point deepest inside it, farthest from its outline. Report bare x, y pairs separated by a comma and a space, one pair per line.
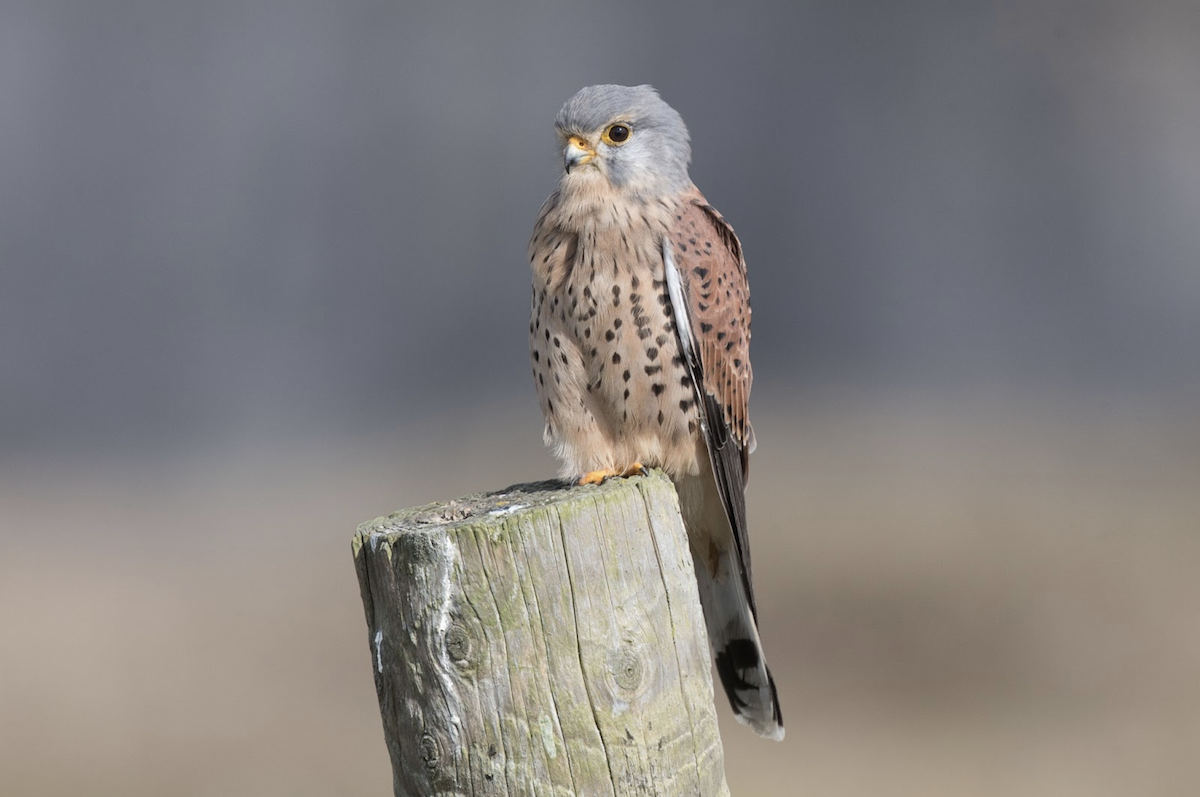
705, 327
652, 353
626, 375
661, 418
651, 370
657, 388
616, 358
564, 359
700, 272
609, 335
644, 333
617, 323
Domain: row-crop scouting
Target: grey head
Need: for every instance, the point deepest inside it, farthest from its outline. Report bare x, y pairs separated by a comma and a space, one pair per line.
627, 135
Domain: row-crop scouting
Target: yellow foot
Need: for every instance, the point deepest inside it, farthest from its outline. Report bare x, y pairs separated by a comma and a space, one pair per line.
598, 476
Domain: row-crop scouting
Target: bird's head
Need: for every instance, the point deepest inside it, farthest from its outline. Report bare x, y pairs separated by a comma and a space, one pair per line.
625, 136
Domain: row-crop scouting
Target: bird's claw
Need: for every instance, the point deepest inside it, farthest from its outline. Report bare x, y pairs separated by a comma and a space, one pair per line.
603, 475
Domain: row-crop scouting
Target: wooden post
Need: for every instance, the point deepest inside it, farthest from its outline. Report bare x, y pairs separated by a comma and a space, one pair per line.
543, 640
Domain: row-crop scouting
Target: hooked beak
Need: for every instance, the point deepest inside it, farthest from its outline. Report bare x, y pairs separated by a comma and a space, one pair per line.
577, 153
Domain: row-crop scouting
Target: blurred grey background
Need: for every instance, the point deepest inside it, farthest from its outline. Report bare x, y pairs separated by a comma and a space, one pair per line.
262, 276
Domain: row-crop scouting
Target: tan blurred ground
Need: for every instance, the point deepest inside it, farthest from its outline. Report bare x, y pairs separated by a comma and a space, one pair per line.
986, 599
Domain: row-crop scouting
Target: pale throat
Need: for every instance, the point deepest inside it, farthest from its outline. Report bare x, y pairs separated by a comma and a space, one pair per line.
589, 202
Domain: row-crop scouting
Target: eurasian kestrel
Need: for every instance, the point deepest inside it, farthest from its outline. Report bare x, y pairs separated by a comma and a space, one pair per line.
640, 338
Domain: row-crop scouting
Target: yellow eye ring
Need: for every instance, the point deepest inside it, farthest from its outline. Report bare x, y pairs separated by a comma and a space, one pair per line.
616, 134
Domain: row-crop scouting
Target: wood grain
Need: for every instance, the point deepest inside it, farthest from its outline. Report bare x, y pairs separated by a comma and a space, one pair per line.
541, 640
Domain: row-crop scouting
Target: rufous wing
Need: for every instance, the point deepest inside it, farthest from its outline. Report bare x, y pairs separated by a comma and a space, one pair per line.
712, 287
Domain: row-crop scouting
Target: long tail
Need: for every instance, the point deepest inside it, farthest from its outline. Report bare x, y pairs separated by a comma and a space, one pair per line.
737, 651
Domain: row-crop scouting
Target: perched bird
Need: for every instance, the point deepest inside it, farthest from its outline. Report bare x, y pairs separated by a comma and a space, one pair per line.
639, 339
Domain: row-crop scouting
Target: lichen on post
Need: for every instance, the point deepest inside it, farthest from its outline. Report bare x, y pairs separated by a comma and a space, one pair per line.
545, 639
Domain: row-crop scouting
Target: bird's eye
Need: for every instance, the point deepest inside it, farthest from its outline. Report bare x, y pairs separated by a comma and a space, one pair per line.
617, 134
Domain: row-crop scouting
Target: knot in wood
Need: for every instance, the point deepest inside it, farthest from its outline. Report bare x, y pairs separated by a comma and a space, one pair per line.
458, 643
430, 751
627, 668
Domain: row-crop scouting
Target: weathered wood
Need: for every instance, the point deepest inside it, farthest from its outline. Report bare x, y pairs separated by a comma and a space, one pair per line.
542, 640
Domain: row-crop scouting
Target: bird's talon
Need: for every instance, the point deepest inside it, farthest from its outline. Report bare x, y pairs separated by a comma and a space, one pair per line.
596, 476
600, 476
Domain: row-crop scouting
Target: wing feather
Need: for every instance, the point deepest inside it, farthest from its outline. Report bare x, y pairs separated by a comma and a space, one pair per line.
711, 299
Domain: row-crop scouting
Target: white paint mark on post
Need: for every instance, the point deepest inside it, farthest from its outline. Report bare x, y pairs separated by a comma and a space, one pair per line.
450, 553
507, 510
378, 652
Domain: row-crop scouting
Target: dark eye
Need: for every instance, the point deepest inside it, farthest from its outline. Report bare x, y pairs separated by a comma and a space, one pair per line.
617, 134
